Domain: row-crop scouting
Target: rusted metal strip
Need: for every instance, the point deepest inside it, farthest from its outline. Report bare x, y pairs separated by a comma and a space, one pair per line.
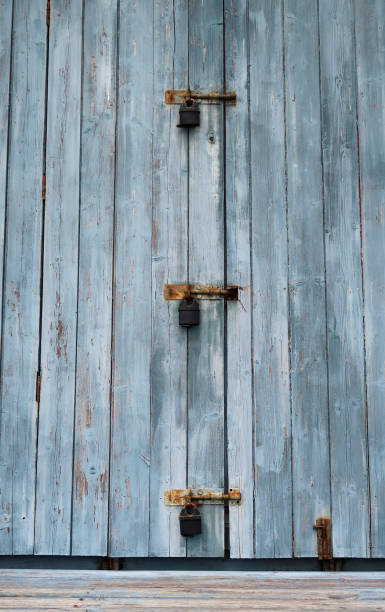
324, 541
38, 386
202, 292
43, 188
180, 96
180, 497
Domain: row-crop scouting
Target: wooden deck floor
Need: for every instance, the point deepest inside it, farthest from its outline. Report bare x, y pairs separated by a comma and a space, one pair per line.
102, 590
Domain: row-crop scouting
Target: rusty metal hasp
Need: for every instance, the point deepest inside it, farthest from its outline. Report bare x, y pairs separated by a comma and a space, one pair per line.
324, 540
200, 292
181, 497
181, 96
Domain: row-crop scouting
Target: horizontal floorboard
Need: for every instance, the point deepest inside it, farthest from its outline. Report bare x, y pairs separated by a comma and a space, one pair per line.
106, 590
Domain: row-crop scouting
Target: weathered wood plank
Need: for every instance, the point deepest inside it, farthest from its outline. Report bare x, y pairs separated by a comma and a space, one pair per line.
238, 201
349, 479
169, 262
206, 257
311, 474
64, 590
91, 457
370, 37
60, 274
6, 10
22, 279
131, 426
273, 488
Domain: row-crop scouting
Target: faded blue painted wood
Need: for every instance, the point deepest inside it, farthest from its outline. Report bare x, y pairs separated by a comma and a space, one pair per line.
5, 68
239, 336
6, 10
310, 427
60, 274
293, 66
370, 37
21, 305
348, 442
169, 264
131, 422
93, 367
206, 265
273, 487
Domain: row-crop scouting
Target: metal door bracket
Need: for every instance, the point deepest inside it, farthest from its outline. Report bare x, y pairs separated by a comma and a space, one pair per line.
324, 541
181, 96
180, 497
200, 292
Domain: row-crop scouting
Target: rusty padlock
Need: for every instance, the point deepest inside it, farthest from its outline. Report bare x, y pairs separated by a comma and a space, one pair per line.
190, 520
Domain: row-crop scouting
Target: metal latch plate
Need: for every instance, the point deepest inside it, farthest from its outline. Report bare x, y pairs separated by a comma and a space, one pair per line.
180, 497
200, 292
180, 96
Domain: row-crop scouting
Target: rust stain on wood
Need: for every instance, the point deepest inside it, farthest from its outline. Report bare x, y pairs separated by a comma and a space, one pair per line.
38, 386
81, 483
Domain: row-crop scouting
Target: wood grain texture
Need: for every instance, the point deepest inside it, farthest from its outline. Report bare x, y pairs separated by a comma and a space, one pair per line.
349, 478
370, 37
60, 275
238, 200
100, 590
206, 265
208, 206
131, 422
93, 371
6, 10
169, 262
273, 489
20, 342
310, 430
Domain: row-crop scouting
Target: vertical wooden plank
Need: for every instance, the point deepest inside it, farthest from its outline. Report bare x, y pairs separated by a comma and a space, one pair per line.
90, 495
5, 68
169, 263
273, 503
60, 274
311, 487
22, 279
238, 200
349, 479
370, 37
206, 265
6, 8
131, 426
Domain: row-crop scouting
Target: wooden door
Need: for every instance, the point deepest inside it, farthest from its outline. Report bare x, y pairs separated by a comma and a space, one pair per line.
106, 402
